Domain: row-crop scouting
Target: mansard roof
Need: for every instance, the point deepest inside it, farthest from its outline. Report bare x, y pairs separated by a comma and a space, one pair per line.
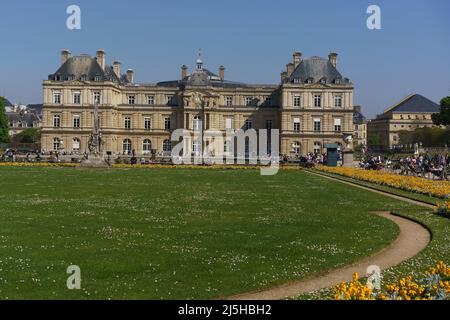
84, 66
316, 69
29, 118
415, 103
7, 103
202, 77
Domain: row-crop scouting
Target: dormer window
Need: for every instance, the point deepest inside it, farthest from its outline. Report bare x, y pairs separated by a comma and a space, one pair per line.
323, 80
97, 78
309, 80
83, 77
296, 80
57, 77
71, 77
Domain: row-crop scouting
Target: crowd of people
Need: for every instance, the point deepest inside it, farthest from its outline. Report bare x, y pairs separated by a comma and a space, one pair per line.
424, 165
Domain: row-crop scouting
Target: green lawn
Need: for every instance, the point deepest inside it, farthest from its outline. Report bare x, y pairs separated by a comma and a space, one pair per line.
178, 233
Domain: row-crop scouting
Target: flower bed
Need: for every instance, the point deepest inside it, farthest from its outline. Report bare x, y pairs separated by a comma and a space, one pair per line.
37, 164
434, 285
440, 189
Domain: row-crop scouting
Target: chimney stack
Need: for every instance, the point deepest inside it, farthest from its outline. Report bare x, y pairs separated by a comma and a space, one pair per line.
183, 71
65, 55
333, 58
130, 76
297, 59
222, 73
289, 69
101, 58
283, 76
116, 67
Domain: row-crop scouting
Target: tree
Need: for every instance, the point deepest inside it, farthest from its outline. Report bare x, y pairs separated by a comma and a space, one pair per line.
30, 135
443, 117
4, 127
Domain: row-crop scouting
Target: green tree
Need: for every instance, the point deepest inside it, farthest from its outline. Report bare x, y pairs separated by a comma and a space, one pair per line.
4, 127
443, 117
30, 135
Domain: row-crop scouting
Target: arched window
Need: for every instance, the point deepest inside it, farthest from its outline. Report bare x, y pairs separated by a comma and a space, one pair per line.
75, 145
126, 146
167, 146
56, 144
296, 148
317, 148
146, 147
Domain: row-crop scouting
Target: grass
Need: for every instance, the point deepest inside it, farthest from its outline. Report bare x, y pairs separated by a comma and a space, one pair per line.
437, 250
179, 233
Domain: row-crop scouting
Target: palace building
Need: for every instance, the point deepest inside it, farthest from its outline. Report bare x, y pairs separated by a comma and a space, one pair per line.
411, 113
311, 106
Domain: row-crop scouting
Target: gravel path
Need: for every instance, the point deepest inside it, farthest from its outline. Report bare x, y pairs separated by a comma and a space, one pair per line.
412, 239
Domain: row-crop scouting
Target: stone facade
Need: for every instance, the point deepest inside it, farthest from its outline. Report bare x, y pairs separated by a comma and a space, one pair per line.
312, 105
411, 113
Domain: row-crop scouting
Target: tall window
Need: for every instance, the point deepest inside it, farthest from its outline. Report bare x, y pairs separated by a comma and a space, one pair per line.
297, 101
57, 121
269, 124
167, 145
248, 101
167, 124
296, 124
127, 122
227, 146
337, 125
268, 101
317, 100
76, 121
197, 123
248, 124
146, 147
77, 98
147, 123
317, 125
97, 97
229, 101
338, 101
296, 147
76, 145
229, 123
170, 101
151, 100
196, 147
56, 97
56, 144
317, 148
126, 146
131, 100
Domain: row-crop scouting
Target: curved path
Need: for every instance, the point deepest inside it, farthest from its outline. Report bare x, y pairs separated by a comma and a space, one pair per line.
412, 239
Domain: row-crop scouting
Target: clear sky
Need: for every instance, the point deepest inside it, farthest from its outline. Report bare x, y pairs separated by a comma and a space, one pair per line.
253, 39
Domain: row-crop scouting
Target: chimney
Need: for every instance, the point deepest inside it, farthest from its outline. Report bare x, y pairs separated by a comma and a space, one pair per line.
289, 69
283, 76
333, 58
183, 71
222, 73
130, 76
116, 68
101, 58
297, 59
65, 55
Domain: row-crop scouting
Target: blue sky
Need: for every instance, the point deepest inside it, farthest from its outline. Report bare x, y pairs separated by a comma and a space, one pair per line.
253, 39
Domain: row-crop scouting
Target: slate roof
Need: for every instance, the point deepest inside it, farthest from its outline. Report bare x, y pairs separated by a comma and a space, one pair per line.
359, 118
316, 69
28, 118
202, 77
415, 103
84, 66
7, 103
